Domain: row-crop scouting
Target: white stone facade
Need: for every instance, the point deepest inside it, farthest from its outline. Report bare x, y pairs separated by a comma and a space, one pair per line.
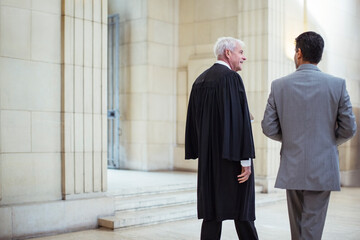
53, 91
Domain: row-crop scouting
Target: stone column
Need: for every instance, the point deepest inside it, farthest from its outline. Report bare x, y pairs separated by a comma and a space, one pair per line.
261, 27
84, 94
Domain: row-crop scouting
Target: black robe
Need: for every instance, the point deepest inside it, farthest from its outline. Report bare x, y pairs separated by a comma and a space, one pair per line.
219, 134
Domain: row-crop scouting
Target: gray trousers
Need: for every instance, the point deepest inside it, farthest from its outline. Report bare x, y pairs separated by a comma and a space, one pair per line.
307, 213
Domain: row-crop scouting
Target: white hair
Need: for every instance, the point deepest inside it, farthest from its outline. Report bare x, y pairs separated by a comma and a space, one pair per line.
224, 43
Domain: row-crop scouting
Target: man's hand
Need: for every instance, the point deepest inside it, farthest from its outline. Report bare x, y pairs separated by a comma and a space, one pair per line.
245, 174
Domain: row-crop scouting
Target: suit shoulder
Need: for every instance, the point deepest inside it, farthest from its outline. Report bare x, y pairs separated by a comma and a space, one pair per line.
281, 80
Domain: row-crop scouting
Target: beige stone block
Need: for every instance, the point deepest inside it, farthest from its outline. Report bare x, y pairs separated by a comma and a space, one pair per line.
181, 86
253, 4
88, 10
88, 212
159, 157
68, 88
104, 46
104, 91
186, 34
162, 80
0, 166
79, 172
88, 44
136, 106
257, 103
217, 29
88, 132
32, 219
161, 55
79, 132
97, 91
15, 27
139, 9
46, 132
206, 50
25, 173
133, 31
180, 132
207, 10
134, 54
97, 11
97, 133
45, 47
68, 173
138, 74
181, 108
161, 107
68, 133
161, 10
68, 35
97, 47
44, 89
186, 11
203, 33
230, 30
6, 223
104, 131
15, 131
88, 90
160, 32
159, 132
19, 178
134, 131
79, 42
97, 157
67, 8
79, 8
185, 53
88, 172
259, 138
104, 13
47, 173
136, 155
16, 3
79, 89
49, 6
104, 177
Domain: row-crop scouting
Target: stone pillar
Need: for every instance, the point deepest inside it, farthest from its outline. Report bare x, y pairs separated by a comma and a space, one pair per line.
84, 94
261, 27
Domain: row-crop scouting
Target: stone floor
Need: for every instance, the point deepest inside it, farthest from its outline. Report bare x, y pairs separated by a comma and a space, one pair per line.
343, 222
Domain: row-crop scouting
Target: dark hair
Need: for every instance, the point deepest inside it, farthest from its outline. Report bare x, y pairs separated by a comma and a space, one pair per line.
311, 45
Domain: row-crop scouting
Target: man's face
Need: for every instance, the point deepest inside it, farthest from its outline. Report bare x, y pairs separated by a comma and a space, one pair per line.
236, 58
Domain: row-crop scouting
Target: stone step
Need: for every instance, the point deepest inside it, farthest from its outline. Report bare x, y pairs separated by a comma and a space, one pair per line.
159, 204
154, 189
140, 202
149, 216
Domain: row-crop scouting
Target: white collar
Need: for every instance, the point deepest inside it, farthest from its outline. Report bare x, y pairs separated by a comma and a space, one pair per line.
223, 63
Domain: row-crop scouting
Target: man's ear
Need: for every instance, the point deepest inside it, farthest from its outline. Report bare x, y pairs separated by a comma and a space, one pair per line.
299, 53
227, 53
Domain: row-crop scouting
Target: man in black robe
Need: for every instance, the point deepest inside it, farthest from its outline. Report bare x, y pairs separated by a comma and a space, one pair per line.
219, 134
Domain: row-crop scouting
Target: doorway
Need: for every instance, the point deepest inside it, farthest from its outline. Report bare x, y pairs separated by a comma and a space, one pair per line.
114, 130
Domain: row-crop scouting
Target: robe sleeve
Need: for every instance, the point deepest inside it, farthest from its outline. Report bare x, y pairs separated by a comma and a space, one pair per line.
237, 132
191, 135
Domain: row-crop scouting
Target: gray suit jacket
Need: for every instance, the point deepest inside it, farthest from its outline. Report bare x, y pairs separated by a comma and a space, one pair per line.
310, 113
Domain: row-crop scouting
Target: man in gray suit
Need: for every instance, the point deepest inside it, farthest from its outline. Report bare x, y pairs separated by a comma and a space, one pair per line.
310, 113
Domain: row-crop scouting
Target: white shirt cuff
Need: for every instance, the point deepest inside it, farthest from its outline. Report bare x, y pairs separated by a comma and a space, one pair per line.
246, 163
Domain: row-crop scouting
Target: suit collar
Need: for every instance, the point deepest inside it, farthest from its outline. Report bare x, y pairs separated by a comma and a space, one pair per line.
308, 67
